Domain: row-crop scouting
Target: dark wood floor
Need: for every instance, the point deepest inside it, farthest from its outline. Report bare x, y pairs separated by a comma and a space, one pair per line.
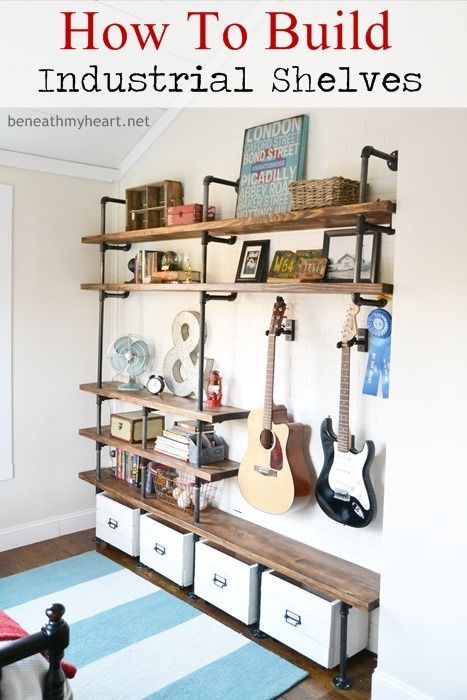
316, 687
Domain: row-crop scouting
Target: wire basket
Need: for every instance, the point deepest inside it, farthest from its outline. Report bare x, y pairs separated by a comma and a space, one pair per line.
330, 192
177, 487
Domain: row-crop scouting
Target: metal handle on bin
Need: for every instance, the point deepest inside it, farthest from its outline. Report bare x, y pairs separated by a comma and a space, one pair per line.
292, 618
112, 523
159, 549
219, 581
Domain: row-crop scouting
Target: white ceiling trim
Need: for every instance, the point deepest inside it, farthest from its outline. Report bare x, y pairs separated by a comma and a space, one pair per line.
27, 161
148, 139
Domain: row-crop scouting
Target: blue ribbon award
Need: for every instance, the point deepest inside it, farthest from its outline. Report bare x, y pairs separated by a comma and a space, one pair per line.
379, 353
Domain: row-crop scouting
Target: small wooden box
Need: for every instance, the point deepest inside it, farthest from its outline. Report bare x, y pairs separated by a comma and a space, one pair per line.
229, 582
117, 524
167, 549
129, 426
147, 205
188, 214
307, 622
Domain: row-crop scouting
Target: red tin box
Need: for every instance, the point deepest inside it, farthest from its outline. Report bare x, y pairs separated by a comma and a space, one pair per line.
188, 214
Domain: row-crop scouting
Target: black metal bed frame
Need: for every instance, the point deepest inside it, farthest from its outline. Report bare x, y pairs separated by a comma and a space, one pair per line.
51, 641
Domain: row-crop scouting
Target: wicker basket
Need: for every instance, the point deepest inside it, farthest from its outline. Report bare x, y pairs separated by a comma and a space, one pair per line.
331, 192
177, 487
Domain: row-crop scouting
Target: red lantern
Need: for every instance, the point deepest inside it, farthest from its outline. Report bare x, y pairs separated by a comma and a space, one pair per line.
214, 389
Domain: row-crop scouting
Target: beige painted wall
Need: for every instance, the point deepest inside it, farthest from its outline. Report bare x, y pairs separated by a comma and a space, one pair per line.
54, 349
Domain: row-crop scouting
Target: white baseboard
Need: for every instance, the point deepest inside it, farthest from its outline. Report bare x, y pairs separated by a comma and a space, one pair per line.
46, 529
387, 687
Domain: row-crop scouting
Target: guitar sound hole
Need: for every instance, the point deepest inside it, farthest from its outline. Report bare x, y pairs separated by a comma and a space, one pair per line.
267, 439
269, 442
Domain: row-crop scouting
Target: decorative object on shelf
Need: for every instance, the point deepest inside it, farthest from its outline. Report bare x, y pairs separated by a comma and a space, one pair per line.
379, 353
130, 355
182, 361
189, 272
330, 192
169, 261
188, 214
273, 475
144, 265
273, 155
129, 426
339, 248
183, 445
344, 490
155, 384
299, 266
214, 389
175, 276
253, 262
177, 487
147, 205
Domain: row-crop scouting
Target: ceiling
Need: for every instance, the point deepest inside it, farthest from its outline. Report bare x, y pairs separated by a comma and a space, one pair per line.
103, 140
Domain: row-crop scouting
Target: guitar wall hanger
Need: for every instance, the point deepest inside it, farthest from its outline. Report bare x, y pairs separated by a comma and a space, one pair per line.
361, 340
358, 300
288, 330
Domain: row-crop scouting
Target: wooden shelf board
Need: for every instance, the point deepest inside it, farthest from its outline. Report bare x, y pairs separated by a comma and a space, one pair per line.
167, 402
283, 288
321, 572
211, 472
379, 212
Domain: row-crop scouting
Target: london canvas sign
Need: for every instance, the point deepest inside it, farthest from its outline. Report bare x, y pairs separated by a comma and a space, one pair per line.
273, 156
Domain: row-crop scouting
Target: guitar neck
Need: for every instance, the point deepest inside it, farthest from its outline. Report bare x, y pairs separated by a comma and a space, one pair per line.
343, 433
267, 412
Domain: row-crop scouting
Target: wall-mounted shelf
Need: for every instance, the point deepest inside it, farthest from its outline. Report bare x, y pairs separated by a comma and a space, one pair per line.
168, 403
345, 216
210, 472
323, 573
283, 288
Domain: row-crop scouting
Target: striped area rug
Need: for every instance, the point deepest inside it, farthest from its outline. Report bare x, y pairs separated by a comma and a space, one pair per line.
131, 640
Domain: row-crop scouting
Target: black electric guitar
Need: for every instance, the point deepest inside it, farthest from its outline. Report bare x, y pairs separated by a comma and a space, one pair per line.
344, 490
273, 475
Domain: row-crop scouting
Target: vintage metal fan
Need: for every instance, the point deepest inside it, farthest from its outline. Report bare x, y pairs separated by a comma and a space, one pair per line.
130, 355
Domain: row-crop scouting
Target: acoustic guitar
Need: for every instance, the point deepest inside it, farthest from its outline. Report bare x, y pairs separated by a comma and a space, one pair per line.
344, 490
273, 475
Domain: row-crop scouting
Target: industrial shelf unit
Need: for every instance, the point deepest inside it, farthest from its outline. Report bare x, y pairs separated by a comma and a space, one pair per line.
353, 585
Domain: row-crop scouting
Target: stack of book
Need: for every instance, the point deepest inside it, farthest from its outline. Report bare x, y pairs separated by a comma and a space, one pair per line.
127, 467
175, 441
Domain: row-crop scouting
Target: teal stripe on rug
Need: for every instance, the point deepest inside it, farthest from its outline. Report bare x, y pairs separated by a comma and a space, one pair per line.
150, 646
250, 673
119, 627
45, 580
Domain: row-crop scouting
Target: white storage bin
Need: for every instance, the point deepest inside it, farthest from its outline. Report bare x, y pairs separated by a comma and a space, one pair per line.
117, 524
307, 622
226, 581
167, 549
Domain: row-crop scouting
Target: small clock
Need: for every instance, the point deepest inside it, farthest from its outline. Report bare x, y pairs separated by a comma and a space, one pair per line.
155, 384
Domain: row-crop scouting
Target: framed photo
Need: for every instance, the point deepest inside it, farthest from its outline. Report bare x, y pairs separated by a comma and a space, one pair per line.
273, 155
254, 261
339, 248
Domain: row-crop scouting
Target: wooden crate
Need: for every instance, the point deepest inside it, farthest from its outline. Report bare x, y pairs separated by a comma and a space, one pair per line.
117, 524
227, 581
307, 622
147, 205
168, 549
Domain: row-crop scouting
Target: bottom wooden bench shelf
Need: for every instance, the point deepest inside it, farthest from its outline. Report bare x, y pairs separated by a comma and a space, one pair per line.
324, 574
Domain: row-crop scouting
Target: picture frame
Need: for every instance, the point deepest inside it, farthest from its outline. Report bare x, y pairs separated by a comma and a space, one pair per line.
273, 155
253, 262
339, 248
